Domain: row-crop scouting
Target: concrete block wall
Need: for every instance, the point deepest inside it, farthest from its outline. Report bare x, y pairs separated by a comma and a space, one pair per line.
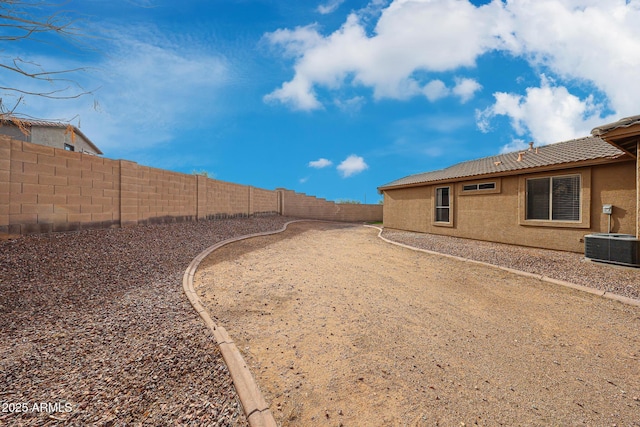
164, 196
226, 200
303, 206
44, 189
264, 202
56, 190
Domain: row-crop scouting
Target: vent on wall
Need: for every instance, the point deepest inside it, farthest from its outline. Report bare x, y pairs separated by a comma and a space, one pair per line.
621, 249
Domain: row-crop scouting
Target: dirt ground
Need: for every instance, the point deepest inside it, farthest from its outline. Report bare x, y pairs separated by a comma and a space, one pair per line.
342, 329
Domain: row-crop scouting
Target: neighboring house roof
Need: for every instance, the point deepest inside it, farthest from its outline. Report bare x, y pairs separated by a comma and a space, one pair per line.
44, 123
558, 154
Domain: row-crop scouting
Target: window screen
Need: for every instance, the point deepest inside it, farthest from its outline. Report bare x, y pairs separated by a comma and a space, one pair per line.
566, 199
554, 198
538, 198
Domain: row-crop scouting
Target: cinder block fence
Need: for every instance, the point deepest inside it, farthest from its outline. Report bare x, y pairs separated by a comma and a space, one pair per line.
44, 189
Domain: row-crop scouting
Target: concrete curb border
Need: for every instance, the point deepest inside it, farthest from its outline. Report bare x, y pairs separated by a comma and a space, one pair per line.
605, 294
255, 407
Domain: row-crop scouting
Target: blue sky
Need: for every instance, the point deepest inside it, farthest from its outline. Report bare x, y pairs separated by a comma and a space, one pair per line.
335, 98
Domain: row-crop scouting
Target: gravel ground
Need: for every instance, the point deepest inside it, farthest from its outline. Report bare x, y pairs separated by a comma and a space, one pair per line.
567, 266
95, 329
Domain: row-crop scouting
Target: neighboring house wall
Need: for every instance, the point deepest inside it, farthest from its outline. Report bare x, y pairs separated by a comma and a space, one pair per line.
14, 132
499, 215
57, 137
45, 189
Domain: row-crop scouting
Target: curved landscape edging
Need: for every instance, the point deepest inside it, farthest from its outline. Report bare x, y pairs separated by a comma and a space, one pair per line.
254, 405
605, 294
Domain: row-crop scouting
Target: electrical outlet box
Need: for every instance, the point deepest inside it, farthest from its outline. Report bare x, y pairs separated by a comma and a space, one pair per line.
607, 209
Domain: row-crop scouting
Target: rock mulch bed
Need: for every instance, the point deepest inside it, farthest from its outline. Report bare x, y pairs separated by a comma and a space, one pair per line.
95, 329
567, 266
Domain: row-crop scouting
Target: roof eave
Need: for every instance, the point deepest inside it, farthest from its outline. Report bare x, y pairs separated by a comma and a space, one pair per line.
572, 165
79, 132
623, 134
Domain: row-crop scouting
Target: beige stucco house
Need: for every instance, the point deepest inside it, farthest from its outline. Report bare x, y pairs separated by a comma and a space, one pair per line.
549, 196
51, 134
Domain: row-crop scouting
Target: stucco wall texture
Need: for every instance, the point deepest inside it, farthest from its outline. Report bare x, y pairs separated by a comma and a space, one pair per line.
57, 137
44, 189
499, 216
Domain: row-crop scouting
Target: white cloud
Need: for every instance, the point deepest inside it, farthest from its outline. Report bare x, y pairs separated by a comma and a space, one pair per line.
465, 89
584, 43
515, 145
435, 90
386, 61
548, 113
320, 163
295, 43
297, 93
590, 40
329, 6
352, 165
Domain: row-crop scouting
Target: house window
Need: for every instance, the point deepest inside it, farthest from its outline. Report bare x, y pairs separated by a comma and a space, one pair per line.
442, 204
69, 147
554, 198
481, 186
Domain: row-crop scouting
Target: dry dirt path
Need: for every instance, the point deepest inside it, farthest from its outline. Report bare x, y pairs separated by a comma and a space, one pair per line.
341, 328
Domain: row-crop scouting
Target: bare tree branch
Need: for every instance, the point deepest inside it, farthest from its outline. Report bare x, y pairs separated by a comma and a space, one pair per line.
36, 21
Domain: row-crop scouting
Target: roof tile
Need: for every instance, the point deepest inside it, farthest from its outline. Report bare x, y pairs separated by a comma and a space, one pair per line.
576, 150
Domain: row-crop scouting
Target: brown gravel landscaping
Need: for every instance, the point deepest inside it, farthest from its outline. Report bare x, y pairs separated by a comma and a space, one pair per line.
96, 330
343, 329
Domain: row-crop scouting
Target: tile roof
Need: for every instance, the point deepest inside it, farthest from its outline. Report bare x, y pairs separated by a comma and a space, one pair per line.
622, 123
45, 123
576, 150
625, 139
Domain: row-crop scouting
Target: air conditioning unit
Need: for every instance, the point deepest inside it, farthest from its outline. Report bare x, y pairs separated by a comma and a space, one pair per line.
623, 249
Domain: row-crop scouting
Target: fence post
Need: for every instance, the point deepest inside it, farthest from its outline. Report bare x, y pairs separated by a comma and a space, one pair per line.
129, 193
